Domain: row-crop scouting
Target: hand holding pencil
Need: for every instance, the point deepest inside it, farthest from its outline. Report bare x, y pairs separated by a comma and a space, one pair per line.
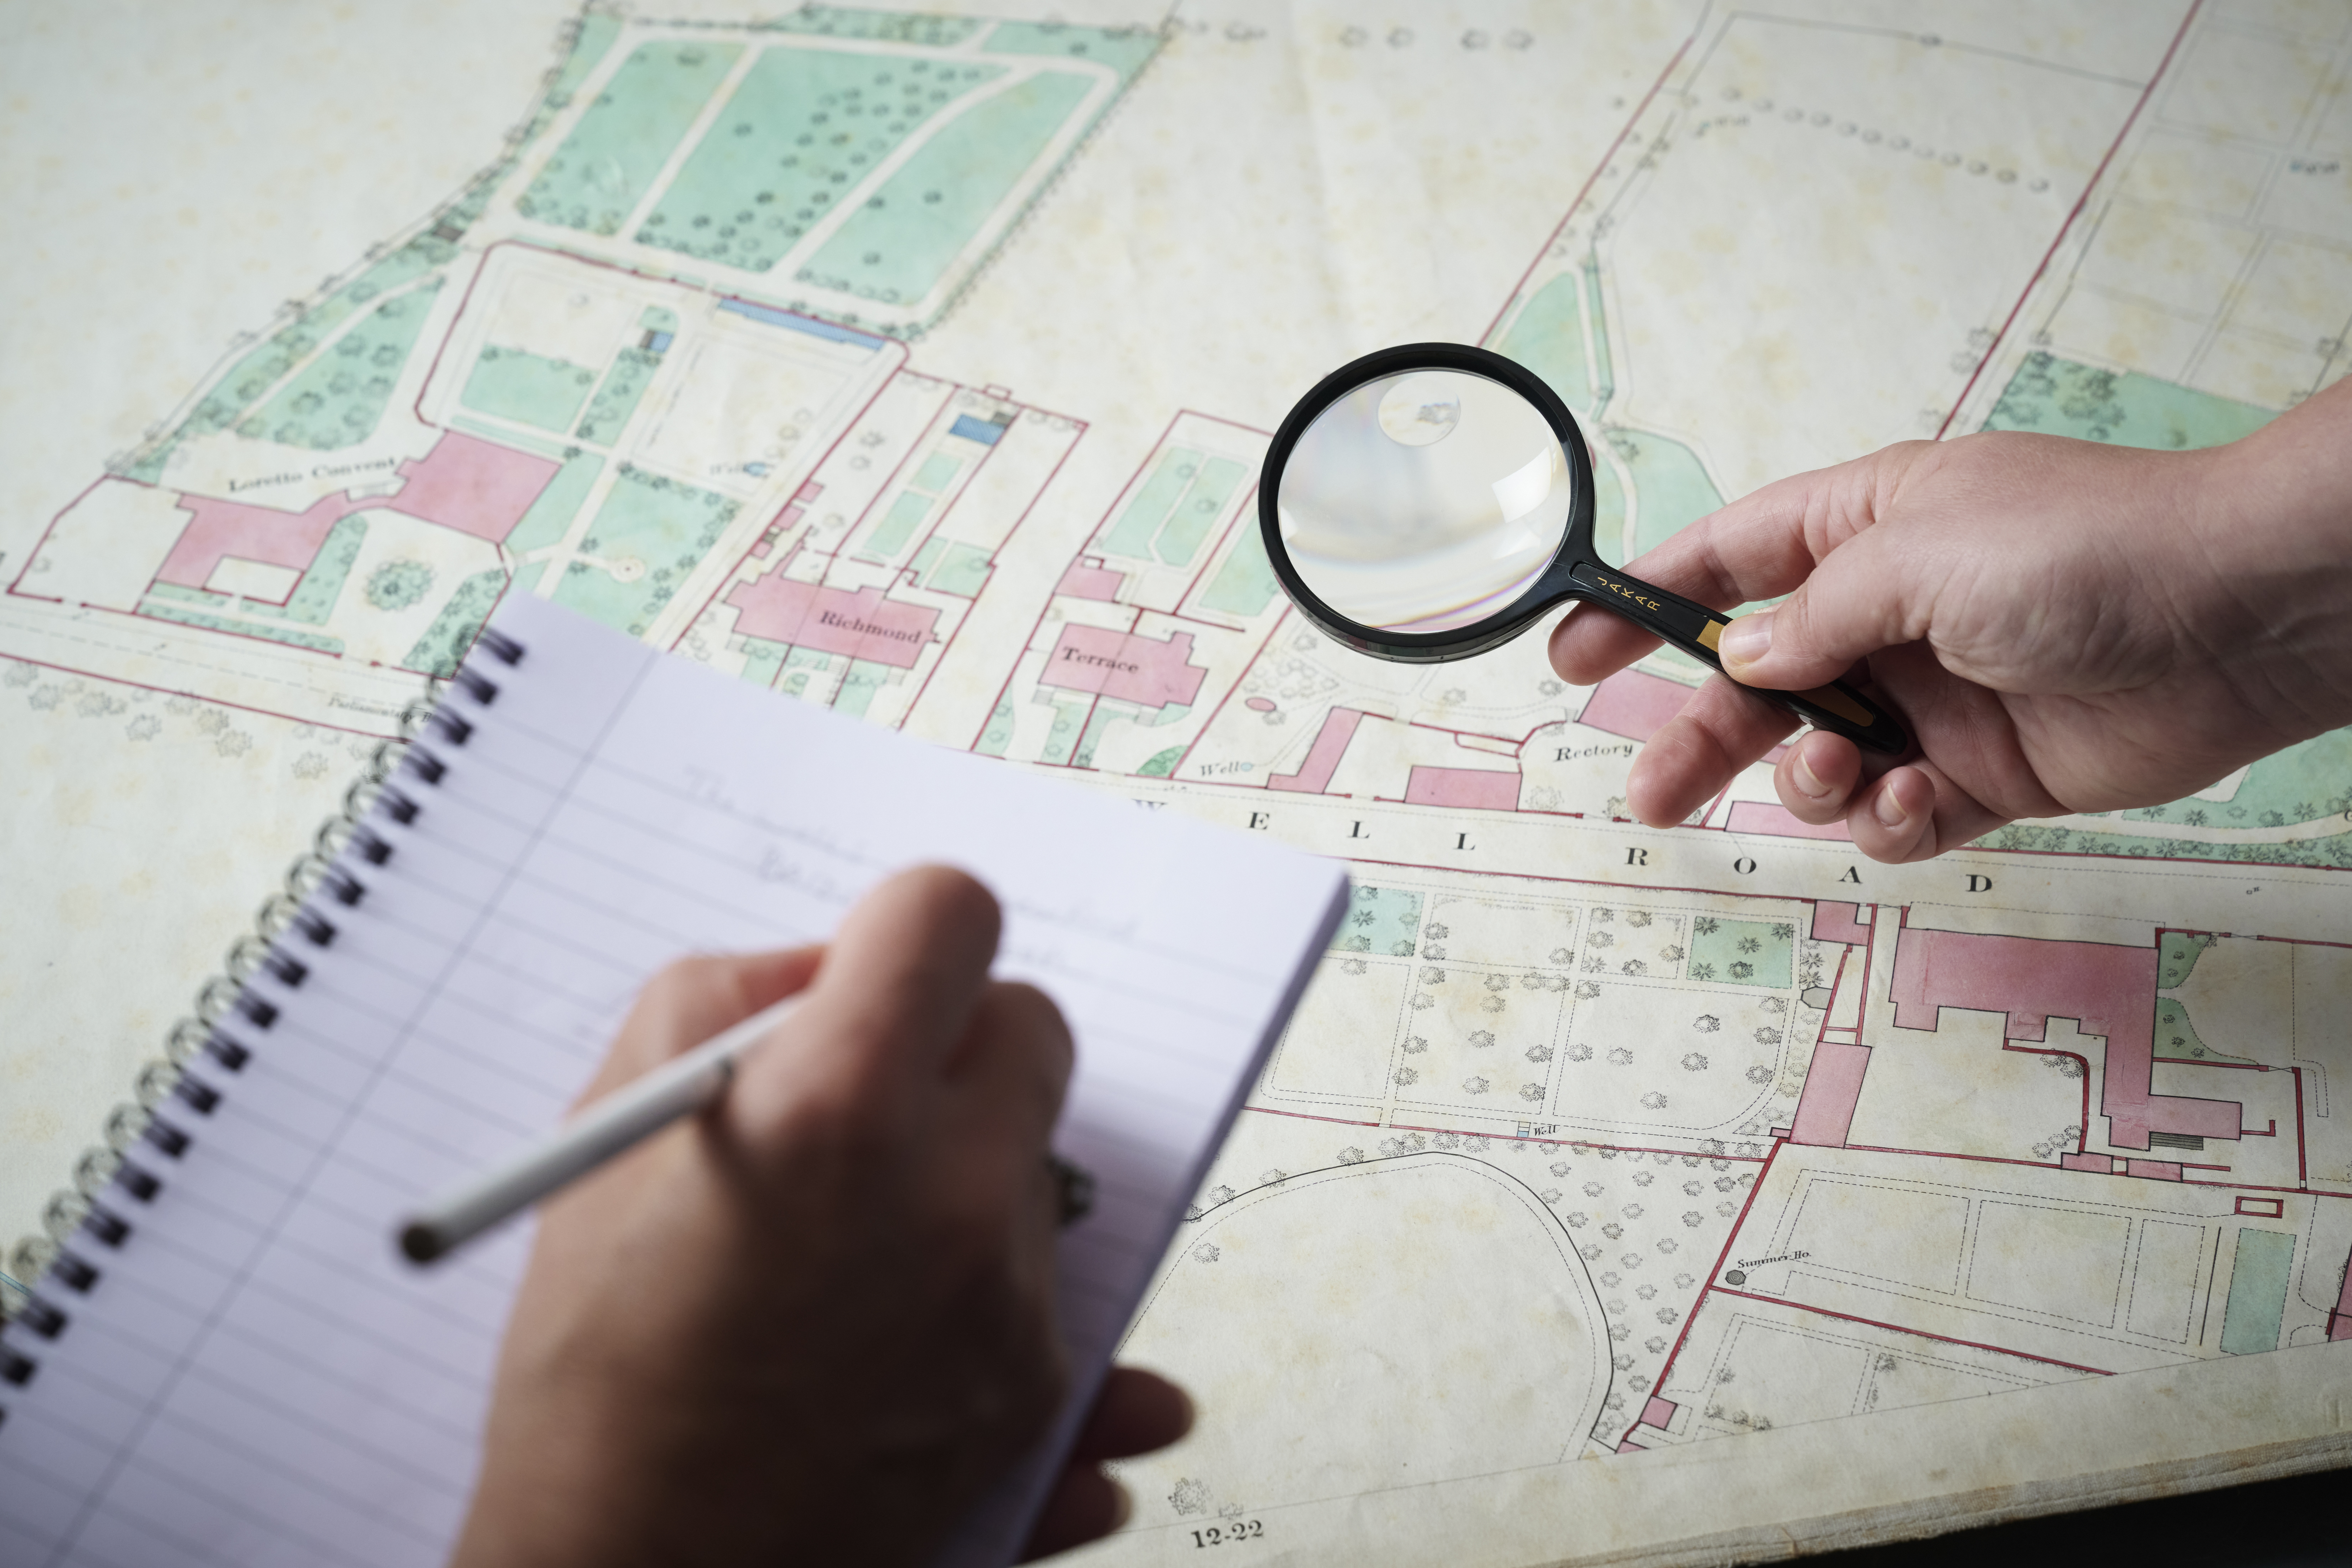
820, 1314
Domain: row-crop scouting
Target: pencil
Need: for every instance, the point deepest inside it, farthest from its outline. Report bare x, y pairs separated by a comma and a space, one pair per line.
618, 1121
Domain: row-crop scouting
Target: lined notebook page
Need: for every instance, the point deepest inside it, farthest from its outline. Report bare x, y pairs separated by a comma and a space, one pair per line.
255, 1380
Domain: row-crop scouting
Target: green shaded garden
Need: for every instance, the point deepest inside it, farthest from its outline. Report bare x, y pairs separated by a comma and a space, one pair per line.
901, 241
805, 126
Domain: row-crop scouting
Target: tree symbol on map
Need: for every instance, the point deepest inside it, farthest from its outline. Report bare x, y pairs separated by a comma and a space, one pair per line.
396, 584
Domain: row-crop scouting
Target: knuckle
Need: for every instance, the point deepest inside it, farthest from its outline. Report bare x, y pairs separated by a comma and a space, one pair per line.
856, 1114
944, 901
841, 1105
1029, 1014
680, 978
1017, 1037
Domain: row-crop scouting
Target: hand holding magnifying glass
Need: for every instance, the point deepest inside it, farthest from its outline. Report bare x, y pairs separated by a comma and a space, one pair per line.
1429, 502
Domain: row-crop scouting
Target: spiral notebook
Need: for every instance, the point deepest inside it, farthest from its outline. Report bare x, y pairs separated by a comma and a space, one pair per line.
225, 1362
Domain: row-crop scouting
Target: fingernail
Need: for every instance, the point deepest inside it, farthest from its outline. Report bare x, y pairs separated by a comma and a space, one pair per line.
1808, 783
1747, 639
1889, 810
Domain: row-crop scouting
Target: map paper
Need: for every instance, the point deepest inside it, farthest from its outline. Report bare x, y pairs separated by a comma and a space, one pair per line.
920, 365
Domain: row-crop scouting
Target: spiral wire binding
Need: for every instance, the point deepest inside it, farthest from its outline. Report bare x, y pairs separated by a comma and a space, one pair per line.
84, 1221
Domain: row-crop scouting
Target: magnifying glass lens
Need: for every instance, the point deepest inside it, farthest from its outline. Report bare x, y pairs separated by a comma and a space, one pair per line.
1432, 500
1424, 501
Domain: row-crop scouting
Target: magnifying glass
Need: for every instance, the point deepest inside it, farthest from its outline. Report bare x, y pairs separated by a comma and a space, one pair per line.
1429, 502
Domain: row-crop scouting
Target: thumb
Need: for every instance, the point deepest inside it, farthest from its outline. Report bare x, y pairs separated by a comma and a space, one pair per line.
1857, 600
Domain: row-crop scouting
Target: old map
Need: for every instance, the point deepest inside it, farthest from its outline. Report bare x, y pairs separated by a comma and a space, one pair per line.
920, 365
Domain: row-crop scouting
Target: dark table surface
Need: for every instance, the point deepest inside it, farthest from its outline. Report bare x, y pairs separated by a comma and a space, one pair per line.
2299, 1522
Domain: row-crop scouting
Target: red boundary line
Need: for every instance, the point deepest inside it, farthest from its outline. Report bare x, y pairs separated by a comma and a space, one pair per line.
1643, 888
2255, 1186
1309, 1116
1576, 1144
1845, 956
1922, 1334
1126, 491
2080, 202
808, 528
1077, 434
1690, 1320
2301, 1172
220, 701
2082, 1128
1231, 692
2251, 866
1586, 189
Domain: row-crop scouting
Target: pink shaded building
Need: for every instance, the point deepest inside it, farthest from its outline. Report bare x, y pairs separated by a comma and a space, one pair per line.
2108, 991
1833, 1088
1085, 581
1148, 671
1763, 816
1633, 705
475, 487
862, 625
1637, 706
226, 528
2340, 1321
1323, 756
1483, 787
1839, 923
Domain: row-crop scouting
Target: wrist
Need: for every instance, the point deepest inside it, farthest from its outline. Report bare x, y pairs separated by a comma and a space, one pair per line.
2268, 565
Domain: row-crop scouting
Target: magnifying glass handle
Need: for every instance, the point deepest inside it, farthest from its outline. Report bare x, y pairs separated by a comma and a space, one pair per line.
1694, 628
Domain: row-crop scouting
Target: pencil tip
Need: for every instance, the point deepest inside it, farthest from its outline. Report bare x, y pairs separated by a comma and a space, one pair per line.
419, 1242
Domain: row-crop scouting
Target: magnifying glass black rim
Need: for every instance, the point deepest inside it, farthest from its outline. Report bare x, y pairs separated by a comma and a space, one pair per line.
1429, 647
